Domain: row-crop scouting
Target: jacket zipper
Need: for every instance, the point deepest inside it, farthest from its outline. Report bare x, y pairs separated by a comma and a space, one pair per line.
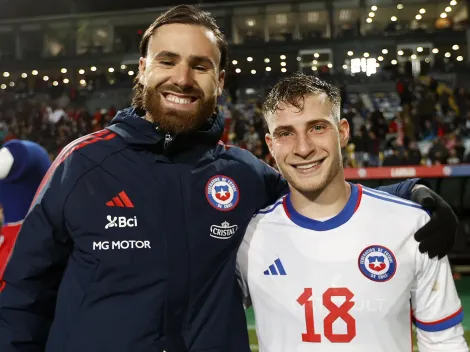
168, 139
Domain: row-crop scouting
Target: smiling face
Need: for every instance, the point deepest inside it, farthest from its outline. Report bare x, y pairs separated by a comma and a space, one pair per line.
180, 77
306, 143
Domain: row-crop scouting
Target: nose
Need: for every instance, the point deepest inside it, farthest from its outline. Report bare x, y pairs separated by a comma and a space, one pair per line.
182, 76
304, 146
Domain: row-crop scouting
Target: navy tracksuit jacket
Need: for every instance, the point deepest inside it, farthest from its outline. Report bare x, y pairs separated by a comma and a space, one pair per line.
131, 243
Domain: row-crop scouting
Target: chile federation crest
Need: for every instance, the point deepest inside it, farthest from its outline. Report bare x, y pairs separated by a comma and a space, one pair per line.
377, 263
222, 193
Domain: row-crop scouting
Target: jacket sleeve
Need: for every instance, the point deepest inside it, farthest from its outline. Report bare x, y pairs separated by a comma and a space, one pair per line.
402, 189
33, 273
276, 186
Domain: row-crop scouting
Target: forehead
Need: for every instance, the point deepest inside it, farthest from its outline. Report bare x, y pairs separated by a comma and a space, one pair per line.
315, 106
185, 40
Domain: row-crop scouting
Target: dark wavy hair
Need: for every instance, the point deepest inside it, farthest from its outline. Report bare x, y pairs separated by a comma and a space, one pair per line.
293, 89
183, 14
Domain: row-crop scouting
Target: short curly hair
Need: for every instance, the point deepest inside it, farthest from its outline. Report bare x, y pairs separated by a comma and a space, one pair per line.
293, 89
182, 14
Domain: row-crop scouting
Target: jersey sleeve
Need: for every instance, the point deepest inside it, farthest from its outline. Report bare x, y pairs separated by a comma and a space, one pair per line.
436, 307
276, 186
33, 273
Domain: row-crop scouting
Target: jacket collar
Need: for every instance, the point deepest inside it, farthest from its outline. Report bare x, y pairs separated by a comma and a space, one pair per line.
131, 125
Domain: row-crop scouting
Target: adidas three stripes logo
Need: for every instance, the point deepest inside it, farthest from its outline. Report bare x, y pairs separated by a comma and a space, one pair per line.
276, 269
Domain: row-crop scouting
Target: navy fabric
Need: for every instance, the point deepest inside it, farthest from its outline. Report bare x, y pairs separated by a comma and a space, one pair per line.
76, 283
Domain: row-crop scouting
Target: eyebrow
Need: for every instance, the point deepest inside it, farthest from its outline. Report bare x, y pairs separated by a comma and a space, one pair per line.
192, 58
309, 123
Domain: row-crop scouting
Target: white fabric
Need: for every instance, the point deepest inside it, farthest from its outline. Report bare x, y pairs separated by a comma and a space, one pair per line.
6, 162
326, 263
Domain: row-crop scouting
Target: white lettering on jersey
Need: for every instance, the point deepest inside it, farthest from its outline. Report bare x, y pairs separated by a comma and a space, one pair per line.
120, 221
120, 245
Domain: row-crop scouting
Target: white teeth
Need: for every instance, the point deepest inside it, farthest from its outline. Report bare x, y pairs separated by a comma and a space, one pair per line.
308, 166
178, 100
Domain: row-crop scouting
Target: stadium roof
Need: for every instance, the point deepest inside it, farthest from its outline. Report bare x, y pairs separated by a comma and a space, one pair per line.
10, 9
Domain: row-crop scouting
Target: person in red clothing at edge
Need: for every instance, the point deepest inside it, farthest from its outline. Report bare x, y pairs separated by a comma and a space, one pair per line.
186, 202
23, 164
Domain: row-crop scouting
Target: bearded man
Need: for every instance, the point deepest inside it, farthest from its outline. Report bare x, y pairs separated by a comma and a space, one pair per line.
131, 242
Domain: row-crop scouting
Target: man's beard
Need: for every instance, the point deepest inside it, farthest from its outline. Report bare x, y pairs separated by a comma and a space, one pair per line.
174, 121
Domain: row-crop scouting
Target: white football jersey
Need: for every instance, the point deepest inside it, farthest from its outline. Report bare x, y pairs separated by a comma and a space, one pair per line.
354, 282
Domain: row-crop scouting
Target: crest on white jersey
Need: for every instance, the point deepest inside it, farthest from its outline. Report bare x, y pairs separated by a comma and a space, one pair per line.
377, 263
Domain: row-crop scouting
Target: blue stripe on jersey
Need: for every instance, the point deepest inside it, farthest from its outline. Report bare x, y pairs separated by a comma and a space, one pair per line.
280, 267
272, 269
330, 224
392, 200
443, 324
267, 211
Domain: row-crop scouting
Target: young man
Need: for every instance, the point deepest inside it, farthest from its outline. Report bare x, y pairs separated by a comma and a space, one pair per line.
332, 266
131, 242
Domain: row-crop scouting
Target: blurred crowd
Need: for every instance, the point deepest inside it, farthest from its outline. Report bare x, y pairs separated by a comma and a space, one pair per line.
431, 125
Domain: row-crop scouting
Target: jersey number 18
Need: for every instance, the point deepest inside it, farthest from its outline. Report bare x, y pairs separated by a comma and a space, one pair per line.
336, 312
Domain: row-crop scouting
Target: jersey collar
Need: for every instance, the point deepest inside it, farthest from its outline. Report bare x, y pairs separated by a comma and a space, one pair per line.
330, 224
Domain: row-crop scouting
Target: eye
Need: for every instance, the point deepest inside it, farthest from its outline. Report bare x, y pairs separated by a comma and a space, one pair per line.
167, 62
201, 68
283, 134
319, 128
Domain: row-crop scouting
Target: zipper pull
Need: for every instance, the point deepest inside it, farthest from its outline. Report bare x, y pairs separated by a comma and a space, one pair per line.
168, 139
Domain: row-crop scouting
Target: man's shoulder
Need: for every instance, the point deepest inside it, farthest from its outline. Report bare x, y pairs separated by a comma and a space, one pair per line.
84, 153
392, 207
94, 146
239, 154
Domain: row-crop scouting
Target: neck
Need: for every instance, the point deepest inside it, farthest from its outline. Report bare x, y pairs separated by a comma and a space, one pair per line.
325, 203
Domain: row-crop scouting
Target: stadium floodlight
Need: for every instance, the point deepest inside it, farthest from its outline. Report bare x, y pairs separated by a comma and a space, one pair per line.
384, 51
459, 58
435, 50
455, 47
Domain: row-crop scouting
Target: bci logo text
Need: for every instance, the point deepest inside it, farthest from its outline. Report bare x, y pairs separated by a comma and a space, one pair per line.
120, 221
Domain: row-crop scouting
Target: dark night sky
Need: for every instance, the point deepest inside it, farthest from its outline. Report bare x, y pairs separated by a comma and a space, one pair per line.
29, 8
